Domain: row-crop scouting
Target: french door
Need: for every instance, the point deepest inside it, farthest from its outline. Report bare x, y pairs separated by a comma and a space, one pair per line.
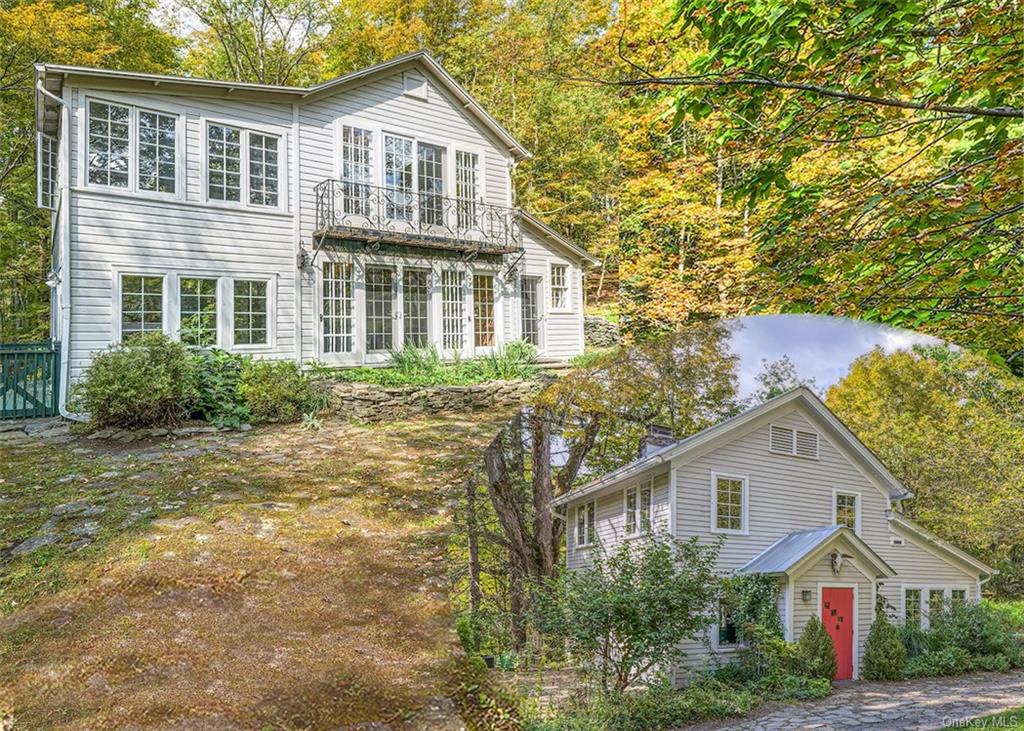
380, 308
529, 303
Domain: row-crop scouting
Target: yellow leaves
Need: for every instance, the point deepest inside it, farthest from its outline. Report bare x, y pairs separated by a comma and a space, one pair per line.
42, 31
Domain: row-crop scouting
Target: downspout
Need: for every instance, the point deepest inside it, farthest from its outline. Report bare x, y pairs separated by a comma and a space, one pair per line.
63, 219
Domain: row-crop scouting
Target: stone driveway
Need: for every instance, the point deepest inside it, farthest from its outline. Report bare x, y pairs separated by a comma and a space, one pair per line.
929, 703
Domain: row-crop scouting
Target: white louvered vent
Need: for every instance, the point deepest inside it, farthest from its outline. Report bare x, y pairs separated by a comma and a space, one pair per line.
806, 444
414, 85
780, 440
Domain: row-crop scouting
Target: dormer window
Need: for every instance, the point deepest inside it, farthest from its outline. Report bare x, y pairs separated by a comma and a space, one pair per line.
794, 442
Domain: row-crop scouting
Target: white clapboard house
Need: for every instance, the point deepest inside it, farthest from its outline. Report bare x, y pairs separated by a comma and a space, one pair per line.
330, 223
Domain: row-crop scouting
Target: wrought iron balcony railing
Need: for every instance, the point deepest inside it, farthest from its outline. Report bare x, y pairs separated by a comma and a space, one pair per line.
374, 213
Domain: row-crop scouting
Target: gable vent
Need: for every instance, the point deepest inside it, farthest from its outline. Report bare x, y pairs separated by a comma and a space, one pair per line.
807, 444
780, 440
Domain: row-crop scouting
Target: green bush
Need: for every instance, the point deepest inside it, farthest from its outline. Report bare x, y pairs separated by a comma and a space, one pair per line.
147, 382
427, 367
816, 652
914, 639
978, 629
884, 654
949, 661
992, 663
276, 391
785, 687
218, 374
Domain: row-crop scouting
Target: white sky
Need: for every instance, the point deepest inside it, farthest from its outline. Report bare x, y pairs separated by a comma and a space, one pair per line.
821, 348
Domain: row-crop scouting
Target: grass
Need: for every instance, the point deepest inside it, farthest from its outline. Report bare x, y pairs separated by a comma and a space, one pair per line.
1012, 609
295, 579
1013, 718
426, 367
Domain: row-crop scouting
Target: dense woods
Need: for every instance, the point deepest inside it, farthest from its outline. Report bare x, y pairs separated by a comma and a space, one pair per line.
861, 159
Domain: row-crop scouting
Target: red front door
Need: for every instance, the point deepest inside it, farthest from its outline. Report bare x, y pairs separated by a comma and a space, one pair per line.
837, 616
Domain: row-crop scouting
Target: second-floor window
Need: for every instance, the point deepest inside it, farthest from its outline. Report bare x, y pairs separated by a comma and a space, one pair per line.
467, 189
638, 509
46, 164
356, 169
112, 130
228, 149
586, 519
398, 177
846, 510
728, 504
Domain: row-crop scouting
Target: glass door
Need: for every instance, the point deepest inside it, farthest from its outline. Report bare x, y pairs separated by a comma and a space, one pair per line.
530, 309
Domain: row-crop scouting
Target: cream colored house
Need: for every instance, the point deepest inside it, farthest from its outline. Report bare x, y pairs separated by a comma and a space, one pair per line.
794, 494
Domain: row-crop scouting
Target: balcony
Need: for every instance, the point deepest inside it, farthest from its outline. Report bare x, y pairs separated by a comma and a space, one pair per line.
387, 215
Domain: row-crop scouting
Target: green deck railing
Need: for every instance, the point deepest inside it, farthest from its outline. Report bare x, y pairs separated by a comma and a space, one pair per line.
29, 379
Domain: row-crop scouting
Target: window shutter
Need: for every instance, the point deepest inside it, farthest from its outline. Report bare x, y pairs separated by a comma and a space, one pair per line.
807, 444
780, 440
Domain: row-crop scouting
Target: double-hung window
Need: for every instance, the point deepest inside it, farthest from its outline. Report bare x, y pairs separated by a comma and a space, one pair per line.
131, 148
242, 165
142, 305
728, 504
250, 317
639, 507
46, 165
559, 287
356, 170
847, 511
586, 519
197, 299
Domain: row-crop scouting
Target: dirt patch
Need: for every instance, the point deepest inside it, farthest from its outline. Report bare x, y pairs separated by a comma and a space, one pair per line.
279, 579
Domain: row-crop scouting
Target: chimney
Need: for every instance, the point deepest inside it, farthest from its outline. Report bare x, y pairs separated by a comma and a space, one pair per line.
657, 437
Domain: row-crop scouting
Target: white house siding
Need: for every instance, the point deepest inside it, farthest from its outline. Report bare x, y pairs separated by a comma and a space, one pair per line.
114, 231
561, 331
821, 573
611, 518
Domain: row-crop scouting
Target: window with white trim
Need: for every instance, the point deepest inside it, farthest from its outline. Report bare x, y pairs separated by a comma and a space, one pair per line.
794, 442
109, 160
197, 301
430, 183
559, 287
380, 308
416, 307
398, 177
958, 595
586, 519
467, 189
356, 169
729, 503
258, 182
483, 310
250, 323
846, 510
142, 305
46, 165
936, 598
453, 309
727, 633
338, 305
912, 607
639, 507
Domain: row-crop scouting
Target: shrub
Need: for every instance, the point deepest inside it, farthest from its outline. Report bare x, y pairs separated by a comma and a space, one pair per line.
149, 381
914, 640
949, 661
992, 663
515, 361
816, 652
218, 374
976, 628
276, 390
788, 687
884, 654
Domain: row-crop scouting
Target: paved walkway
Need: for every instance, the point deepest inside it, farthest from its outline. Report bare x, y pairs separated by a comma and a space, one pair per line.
929, 703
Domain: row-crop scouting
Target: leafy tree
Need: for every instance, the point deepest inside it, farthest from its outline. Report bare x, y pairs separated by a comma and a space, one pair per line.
880, 149
884, 653
950, 426
778, 376
625, 614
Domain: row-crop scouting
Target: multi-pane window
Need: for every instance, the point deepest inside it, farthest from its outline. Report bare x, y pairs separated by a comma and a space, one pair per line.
109, 126
263, 170
142, 305
337, 307
958, 595
727, 634
398, 177
586, 516
529, 288
483, 310
157, 151
453, 309
197, 298
466, 188
379, 308
224, 163
356, 169
250, 322
912, 607
559, 287
638, 509
415, 306
431, 183
846, 510
729, 503
935, 599
46, 163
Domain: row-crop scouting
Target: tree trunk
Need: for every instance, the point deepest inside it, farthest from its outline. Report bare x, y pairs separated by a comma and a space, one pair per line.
517, 604
473, 533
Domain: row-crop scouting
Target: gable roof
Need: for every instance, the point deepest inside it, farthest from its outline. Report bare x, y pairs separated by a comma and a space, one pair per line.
551, 235
801, 395
792, 550
51, 77
944, 547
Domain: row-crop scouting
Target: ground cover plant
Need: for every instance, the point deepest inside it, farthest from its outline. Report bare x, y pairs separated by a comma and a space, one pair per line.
217, 568
515, 361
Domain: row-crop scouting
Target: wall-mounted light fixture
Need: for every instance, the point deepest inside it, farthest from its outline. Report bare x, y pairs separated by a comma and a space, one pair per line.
52, 279
806, 595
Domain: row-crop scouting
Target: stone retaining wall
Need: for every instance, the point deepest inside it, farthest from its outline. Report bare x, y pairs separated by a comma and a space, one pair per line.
367, 402
600, 333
